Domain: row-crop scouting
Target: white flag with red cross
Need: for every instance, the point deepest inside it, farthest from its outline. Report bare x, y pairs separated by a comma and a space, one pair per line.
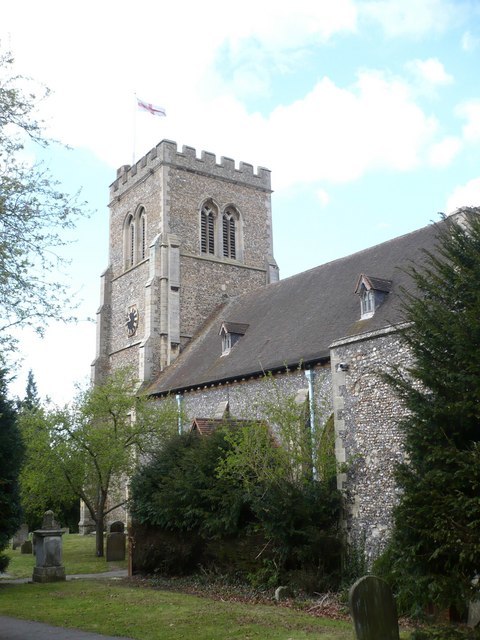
151, 108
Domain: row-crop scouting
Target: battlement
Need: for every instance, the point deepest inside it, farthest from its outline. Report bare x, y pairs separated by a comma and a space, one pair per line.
166, 153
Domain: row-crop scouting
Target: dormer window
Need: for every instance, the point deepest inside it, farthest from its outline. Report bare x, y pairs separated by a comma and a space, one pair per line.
372, 292
226, 343
368, 302
231, 332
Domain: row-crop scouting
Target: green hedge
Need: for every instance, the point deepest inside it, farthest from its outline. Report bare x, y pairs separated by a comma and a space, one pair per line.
187, 514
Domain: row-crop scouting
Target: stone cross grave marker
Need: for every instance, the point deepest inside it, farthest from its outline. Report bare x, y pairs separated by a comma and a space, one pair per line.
373, 609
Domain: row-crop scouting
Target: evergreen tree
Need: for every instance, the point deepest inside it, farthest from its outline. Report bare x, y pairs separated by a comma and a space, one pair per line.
31, 400
10, 460
434, 554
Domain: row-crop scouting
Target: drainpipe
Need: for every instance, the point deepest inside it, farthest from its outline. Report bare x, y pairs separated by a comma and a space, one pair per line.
310, 376
179, 399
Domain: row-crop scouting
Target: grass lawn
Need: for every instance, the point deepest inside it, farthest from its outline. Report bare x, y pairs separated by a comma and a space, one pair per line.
148, 614
115, 607
78, 557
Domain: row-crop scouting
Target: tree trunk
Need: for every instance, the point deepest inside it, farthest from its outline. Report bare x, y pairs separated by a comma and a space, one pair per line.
100, 521
99, 536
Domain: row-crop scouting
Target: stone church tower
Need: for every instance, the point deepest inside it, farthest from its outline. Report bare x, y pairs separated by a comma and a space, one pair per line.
186, 233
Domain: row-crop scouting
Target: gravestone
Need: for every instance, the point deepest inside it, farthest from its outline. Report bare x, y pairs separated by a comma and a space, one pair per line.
373, 610
116, 542
48, 551
474, 614
20, 536
282, 593
26, 547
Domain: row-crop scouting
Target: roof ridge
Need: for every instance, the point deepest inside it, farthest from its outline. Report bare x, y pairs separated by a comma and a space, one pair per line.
279, 283
360, 251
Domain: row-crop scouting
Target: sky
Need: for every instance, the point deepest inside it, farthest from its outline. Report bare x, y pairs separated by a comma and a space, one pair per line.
367, 112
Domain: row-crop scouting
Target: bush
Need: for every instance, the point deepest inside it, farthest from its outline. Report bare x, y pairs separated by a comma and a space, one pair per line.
179, 491
188, 514
158, 551
446, 632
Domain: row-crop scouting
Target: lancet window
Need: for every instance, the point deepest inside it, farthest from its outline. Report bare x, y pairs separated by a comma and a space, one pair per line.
135, 247
207, 224
229, 229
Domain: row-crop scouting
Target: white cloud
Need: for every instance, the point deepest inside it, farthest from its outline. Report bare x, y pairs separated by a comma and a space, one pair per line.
340, 134
323, 197
469, 41
470, 111
413, 17
442, 153
287, 25
430, 71
335, 133
96, 55
52, 369
466, 195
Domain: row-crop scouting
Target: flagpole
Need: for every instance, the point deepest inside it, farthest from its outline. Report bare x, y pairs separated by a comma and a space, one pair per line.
134, 126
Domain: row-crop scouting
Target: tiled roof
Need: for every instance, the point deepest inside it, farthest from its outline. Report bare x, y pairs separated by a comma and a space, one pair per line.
206, 426
234, 327
295, 320
378, 284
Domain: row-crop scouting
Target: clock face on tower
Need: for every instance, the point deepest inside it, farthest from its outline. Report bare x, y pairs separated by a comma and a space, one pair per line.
132, 321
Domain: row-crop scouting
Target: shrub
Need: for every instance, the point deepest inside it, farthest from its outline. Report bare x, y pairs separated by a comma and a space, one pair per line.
446, 632
189, 512
159, 551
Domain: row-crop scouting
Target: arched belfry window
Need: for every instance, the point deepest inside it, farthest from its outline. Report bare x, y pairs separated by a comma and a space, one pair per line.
142, 233
207, 228
231, 233
135, 238
220, 231
129, 241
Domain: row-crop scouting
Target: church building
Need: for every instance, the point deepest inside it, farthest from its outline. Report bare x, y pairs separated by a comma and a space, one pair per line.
192, 300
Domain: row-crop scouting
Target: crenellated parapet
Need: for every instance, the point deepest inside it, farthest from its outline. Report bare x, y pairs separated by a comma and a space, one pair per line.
166, 154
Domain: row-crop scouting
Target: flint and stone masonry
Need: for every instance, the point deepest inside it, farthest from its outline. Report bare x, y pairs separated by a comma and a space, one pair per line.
368, 443
175, 286
162, 284
158, 270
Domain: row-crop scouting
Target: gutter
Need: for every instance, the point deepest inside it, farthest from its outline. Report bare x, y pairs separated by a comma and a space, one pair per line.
301, 364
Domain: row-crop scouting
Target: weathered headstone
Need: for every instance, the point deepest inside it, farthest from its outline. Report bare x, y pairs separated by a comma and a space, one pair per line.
474, 614
20, 536
116, 542
117, 527
282, 593
26, 547
48, 551
373, 609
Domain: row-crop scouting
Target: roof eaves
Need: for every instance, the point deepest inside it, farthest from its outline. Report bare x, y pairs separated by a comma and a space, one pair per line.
274, 368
